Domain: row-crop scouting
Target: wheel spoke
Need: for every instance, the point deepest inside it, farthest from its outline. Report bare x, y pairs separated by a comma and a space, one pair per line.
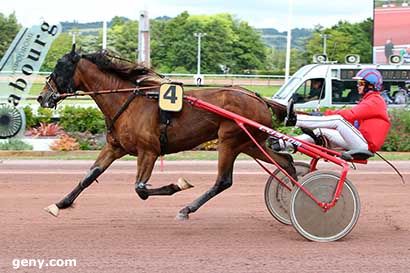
277, 197
311, 221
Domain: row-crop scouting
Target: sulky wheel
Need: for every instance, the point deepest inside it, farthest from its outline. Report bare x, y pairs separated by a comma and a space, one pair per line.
311, 221
277, 196
12, 121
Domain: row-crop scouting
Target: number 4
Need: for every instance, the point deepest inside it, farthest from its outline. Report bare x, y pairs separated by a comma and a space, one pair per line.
171, 97
171, 94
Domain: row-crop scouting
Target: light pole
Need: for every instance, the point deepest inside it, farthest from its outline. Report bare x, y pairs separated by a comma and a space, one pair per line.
144, 50
104, 37
199, 35
288, 40
324, 36
74, 34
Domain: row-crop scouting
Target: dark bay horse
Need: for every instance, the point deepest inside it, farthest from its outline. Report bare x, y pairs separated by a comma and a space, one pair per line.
136, 131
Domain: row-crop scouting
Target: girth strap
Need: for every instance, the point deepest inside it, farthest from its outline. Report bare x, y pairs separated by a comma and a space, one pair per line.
164, 121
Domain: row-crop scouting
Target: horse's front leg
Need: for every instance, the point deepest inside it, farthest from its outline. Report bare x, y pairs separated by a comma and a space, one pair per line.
107, 155
226, 160
146, 161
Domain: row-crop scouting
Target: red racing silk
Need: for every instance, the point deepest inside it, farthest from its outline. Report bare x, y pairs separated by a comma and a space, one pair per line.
371, 113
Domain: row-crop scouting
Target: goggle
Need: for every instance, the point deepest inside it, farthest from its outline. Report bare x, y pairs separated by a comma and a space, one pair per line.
361, 83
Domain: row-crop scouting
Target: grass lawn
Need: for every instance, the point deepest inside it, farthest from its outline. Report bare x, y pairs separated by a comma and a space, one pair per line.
36, 89
265, 91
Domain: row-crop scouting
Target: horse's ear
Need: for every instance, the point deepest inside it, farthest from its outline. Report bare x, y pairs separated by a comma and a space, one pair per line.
72, 50
73, 55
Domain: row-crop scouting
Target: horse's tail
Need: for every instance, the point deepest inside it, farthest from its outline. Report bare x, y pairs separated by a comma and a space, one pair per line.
279, 110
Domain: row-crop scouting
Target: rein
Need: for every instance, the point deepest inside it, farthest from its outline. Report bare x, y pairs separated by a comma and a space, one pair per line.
108, 91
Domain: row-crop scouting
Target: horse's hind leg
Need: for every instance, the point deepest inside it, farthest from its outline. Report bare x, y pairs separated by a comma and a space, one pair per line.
226, 160
283, 159
146, 161
107, 155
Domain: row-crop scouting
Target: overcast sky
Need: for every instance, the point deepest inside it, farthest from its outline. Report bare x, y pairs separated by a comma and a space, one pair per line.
259, 13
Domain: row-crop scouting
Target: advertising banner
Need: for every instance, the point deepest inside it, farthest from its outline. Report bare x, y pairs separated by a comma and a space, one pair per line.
23, 60
391, 32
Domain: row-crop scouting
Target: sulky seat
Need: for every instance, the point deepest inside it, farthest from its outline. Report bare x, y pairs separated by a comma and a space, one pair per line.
356, 154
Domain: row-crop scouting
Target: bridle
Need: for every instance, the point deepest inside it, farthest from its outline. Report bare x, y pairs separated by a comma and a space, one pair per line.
138, 90
56, 95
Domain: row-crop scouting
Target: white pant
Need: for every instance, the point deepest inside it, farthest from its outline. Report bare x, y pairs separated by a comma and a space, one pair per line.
335, 128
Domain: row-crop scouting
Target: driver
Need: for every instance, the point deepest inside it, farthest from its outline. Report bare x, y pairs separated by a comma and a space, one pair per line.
316, 89
364, 127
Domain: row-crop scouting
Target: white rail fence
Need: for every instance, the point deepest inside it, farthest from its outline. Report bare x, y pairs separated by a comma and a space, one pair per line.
187, 79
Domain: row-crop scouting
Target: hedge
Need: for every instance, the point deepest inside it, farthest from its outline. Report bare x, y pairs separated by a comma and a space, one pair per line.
15, 145
80, 119
399, 135
43, 115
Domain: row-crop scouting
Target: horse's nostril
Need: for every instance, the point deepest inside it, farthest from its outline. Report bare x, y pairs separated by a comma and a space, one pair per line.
40, 99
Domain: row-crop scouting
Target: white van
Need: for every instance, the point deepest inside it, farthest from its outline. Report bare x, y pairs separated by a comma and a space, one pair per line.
333, 84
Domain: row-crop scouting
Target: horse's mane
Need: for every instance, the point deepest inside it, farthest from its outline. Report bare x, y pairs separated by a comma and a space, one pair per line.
123, 68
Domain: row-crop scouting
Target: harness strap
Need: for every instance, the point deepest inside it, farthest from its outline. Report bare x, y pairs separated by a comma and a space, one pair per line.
136, 92
110, 123
164, 118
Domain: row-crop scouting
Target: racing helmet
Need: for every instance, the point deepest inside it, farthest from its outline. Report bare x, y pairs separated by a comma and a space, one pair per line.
371, 76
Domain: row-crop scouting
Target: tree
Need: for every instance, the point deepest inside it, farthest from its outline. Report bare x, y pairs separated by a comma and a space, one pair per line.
122, 37
9, 28
217, 45
158, 53
345, 38
275, 61
60, 46
175, 45
248, 49
228, 42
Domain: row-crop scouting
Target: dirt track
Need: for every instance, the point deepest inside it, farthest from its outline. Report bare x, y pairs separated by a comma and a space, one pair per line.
112, 230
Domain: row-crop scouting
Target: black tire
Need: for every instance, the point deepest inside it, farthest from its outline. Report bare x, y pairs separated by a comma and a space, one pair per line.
277, 197
311, 221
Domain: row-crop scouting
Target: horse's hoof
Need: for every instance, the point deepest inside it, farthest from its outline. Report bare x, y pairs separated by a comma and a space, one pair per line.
183, 184
181, 216
52, 209
142, 193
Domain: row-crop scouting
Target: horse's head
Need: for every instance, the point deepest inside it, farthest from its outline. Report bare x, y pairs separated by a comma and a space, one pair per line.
61, 80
